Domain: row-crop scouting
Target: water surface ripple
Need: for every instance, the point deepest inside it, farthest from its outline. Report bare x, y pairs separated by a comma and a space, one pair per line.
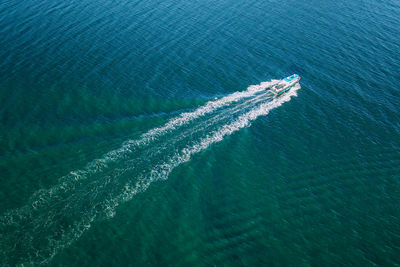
100, 99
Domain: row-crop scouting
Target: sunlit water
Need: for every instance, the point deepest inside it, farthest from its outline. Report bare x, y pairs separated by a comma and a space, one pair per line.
142, 134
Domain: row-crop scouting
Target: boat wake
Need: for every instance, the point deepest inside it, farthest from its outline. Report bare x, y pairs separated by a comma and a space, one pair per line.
54, 218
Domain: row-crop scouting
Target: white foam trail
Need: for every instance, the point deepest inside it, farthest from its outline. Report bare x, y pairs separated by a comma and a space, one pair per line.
184, 118
66, 182
201, 111
61, 239
162, 171
218, 117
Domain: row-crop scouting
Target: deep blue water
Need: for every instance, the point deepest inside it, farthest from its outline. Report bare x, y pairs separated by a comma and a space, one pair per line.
130, 133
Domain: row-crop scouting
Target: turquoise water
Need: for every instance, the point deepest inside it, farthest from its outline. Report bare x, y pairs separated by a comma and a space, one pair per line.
140, 133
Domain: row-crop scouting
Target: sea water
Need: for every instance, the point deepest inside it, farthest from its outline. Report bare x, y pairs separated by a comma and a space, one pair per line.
141, 133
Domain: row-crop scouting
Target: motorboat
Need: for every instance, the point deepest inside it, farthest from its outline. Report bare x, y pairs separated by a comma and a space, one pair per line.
285, 85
